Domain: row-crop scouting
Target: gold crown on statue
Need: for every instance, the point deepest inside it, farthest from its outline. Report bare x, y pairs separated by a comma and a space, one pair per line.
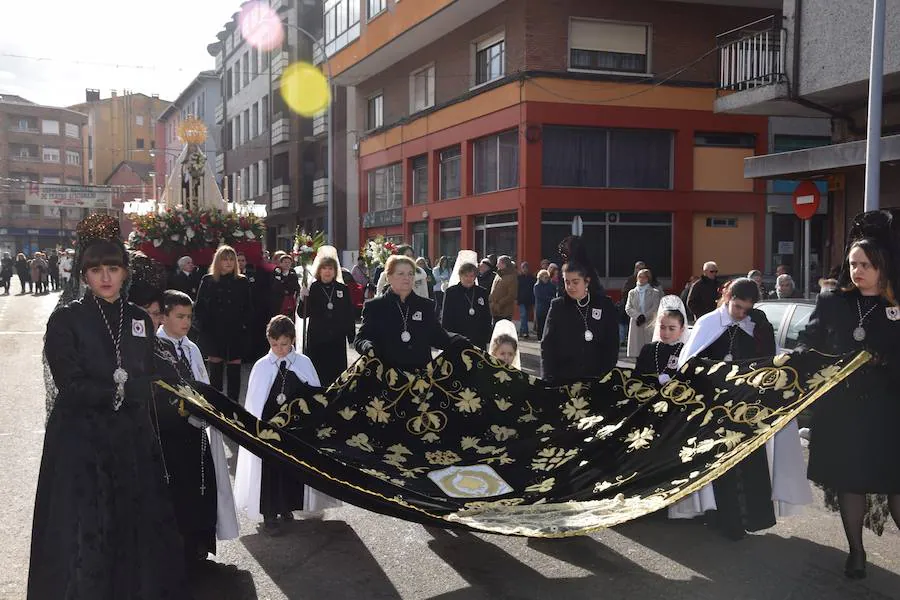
192, 131
98, 227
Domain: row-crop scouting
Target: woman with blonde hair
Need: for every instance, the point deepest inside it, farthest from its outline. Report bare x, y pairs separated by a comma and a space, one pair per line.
400, 326
223, 310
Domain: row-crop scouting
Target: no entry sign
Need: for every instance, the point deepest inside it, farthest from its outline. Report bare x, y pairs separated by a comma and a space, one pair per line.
806, 200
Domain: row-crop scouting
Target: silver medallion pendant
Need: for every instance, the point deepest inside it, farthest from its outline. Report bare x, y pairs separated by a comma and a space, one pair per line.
330, 306
664, 379
729, 357
120, 376
588, 335
472, 311
405, 336
859, 334
280, 399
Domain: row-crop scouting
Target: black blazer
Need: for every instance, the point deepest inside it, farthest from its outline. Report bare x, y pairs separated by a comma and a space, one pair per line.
455, 315
382, 326
565, 354
224, 313
326, 325
189, 284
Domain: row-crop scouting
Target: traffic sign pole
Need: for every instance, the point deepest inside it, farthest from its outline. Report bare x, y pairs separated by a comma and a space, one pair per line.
806, 200
807, 243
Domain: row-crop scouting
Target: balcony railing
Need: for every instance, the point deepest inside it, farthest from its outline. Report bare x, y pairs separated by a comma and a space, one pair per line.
752, 56
17, 129
320, 191
319, 52
281, 196
20, 158
281, 130
320, 124
220, 162
220, 113
279, 64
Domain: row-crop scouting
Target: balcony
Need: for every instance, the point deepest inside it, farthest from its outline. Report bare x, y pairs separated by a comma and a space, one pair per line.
383, 218
320, 124
220, 113
281, 196
320, 191
30, 130
281, 131
25, 158
319, 52
279, 64
752, 56
220, 162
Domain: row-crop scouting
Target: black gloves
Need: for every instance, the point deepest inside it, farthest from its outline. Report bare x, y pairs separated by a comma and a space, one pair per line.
640, 320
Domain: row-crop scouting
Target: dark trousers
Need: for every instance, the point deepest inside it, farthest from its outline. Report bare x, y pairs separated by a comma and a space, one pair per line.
540, 317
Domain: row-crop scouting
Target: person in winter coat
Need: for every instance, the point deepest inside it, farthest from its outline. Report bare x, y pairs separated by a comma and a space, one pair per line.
38, 268
705, 291
544, 293
23, 271
53, 269
285, 287
486, 274
6, 271
505, 290
467, 308
187, 278
641, 307
525, 298
65, 266
223, 312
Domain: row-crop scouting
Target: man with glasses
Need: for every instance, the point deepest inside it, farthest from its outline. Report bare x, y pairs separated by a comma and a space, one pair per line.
705, 291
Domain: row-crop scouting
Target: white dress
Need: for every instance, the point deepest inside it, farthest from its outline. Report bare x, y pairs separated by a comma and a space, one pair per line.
787, 469
249, 466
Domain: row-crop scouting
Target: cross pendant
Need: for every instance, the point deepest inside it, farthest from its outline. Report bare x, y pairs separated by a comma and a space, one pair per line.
168, 478
203, 489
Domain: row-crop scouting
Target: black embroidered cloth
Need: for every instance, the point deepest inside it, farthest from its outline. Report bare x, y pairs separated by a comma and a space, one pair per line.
467, 442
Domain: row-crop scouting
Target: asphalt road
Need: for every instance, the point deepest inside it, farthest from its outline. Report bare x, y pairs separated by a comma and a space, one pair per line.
355, 554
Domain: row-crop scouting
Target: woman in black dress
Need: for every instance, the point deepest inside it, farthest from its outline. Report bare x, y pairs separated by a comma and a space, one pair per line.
581, 335
660, 357
854, 444
223, 312
332, 322
400, 327
103, 524
467, 310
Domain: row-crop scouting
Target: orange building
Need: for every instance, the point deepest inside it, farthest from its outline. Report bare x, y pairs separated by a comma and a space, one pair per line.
493, 124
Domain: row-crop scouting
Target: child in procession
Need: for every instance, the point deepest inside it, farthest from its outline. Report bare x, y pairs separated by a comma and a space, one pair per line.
264, 488
504, 344
660, 357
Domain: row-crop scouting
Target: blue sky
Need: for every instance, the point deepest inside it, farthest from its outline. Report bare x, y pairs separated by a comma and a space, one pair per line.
84, 40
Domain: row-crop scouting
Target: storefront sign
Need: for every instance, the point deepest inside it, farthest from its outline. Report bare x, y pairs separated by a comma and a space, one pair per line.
74, 196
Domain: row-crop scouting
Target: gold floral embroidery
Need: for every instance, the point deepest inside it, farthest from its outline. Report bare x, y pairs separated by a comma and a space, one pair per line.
503, 404
443, 457
375, 411
639, 439
361, 441
543, 487
468, 401
551, 458
502, 433
576, 408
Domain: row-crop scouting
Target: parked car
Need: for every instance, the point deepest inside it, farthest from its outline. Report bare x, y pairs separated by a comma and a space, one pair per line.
789, 317
357, 293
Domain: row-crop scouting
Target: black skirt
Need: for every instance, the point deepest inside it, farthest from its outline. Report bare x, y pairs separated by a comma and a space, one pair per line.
329, 359
280, 491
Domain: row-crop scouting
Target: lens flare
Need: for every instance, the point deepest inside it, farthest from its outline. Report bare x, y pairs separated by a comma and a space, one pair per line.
260, 26
305, 89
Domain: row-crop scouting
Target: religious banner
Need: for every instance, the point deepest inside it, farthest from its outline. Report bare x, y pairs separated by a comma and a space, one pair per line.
90, 197
467, 442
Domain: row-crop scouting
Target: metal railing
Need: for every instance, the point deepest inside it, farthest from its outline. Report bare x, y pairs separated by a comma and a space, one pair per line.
319, 52
320, 191
281, 197
281, 130
752, 56
220, 113
320, 124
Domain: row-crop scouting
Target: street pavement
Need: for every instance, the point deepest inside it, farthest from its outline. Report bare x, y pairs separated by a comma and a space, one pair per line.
354, 554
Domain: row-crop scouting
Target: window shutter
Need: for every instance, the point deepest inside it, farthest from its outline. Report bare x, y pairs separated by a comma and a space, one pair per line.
600, 36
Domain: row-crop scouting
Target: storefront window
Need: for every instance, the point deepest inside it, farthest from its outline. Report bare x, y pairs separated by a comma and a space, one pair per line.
496, 234
451, 238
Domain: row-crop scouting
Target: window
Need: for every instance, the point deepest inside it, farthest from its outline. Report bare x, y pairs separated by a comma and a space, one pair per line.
50, 127
46, 179
386, 188
421, 89
450, 160
376, 7
245, 136
254, 182
263, 170
73, 158
254, 62
139, 120
237, 76
254, 120
496, 234
451, 237
140, 144
607, 158
613, 240
51, 155
153, 144
725, 140
496, 162
264, 113
341, 24
419, 238
229, 86
722, 222
72, 131
420, 179
490, 59
607, 46
245, 68
375, 112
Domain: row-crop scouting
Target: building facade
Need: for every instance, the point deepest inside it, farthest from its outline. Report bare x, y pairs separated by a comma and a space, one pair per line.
38, 144
120, 128
502, 126
271, 155
200, 100
811, 59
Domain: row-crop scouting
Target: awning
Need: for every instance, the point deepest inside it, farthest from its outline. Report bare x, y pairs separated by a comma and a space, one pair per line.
817, 162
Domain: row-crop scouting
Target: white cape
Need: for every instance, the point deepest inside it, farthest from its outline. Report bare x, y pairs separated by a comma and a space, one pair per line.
227, 527
787, 469
249, 466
